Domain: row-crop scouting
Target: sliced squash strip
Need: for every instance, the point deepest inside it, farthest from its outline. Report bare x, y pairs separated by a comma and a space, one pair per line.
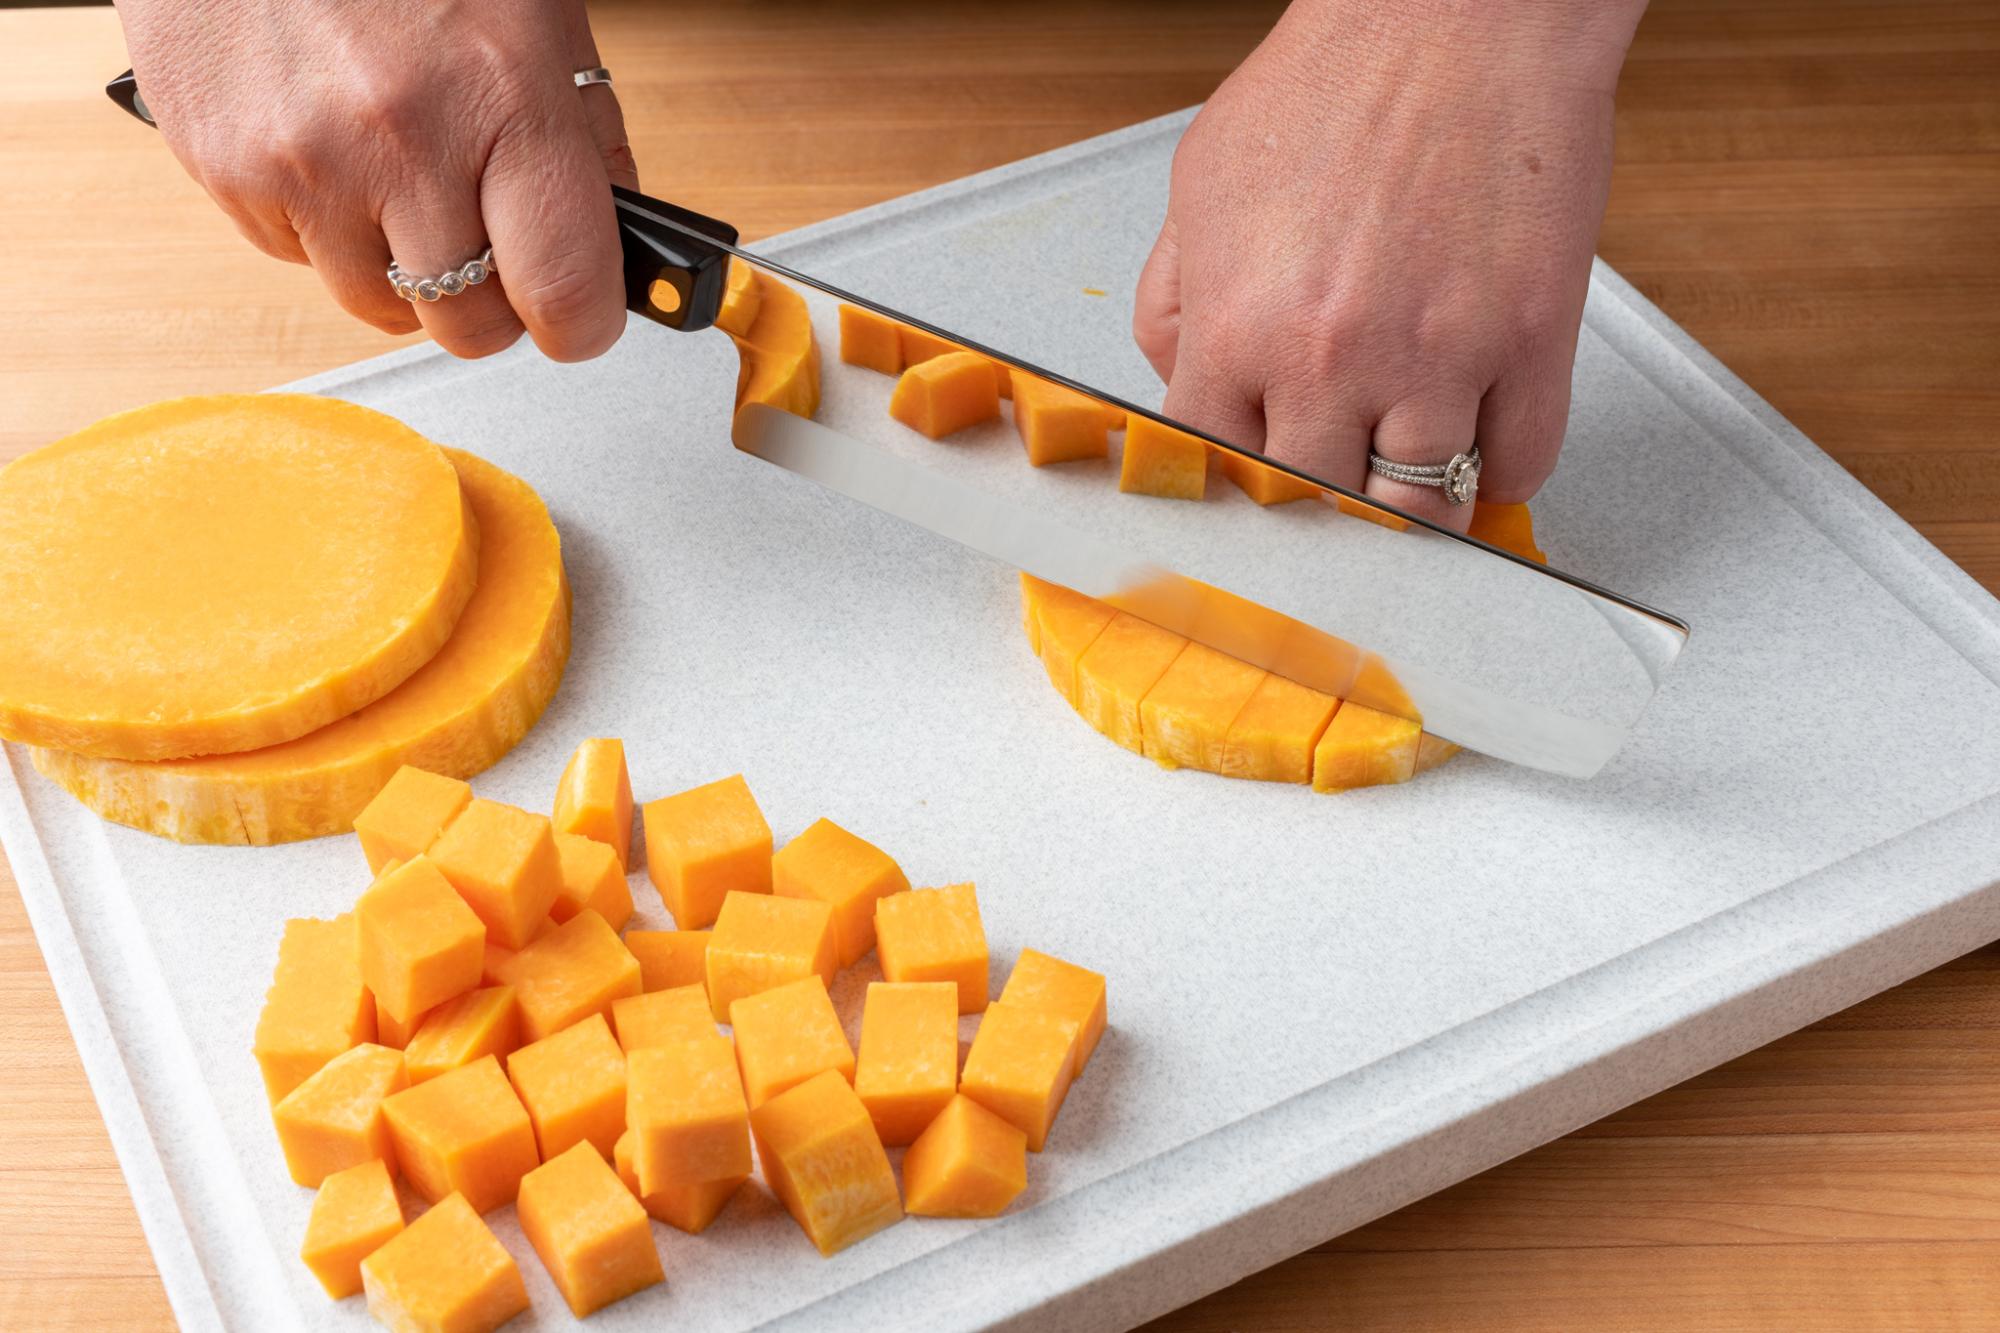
457, 716
213, 575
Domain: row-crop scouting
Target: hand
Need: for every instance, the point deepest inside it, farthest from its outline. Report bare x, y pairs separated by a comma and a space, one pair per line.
1379, 236
344, 133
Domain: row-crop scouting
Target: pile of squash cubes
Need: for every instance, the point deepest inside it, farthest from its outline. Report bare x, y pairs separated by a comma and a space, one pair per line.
478, 1026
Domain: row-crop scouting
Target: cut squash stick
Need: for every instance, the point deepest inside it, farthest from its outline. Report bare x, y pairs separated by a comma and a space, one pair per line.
457, 716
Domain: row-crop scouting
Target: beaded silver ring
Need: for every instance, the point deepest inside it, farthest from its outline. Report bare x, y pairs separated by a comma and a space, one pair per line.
469, 274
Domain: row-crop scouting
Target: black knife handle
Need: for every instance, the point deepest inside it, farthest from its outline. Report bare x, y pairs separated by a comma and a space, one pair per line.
672, 276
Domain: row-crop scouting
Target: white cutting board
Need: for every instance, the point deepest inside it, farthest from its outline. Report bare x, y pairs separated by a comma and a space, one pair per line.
1321, 1008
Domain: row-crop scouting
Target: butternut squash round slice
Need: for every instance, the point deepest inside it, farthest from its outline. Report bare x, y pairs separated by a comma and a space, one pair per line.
456, 716
212, 575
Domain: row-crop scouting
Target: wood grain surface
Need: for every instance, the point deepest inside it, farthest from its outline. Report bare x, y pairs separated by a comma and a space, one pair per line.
1810, 187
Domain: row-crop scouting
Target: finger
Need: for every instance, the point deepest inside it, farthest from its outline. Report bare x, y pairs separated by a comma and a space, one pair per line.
1425, 432
1521, 424
266, 228
1156, 303
547, 204
433, 229
352, 259
1318, 428
600, 104
1211, 396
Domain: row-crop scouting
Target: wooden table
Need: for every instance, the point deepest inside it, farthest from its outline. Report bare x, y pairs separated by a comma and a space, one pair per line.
1811, 188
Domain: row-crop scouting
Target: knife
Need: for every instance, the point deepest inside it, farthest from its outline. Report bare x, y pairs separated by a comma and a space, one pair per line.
1487, 649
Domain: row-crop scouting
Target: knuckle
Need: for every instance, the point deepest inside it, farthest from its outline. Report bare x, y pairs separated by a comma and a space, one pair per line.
569, 308
393, 108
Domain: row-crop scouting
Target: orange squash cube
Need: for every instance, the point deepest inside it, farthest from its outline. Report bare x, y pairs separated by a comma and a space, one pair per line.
590, 1232
354, 1214
661, 1017
1052, 986
420, 944
503, 862
591, 878
946, 394
1263, 483
823, 1161
742, 297
408, 815
968, 1163
573, 1085
761, 941
1020, 1067
919, 347
333, 1120
578, 969
498, 969
457, 1032
684, 1105
1160, 460
1059, 425
688, 1207
908, 1068
463, 1132
1184, 719
444, 1273
785, 1036
703, 843
594, 799
870, 340
317, 1005
669, 959
935, 935
1117, 671
1364, 748
1273, 736
1066, 624
849, 873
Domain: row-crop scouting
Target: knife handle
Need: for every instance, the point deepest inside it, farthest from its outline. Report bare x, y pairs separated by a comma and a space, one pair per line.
672, 276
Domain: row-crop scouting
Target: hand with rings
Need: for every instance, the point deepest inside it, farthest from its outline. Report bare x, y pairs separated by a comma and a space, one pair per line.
441, 164
1378, 242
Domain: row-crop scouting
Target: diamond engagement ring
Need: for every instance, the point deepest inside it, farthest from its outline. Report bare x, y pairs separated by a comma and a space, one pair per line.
1458, 479
469, 274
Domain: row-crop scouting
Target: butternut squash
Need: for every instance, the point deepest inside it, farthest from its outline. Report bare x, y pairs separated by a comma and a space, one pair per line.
847, 872
1059, 425
779, 355
946, 394
1020, 1067
685, 1109
570, 972
689, 1208
703, 843
1052, 986
214, 575
1118, 669
762, 941
1184, 718
1160, 460
408, 815
420, 944
479, 1023
785, 1036
967, 1163
590, 1232
317, 1005
463, 1132
573, 1086
870, 340
823, 1161
355, 1213
333, 1120
1364, 748
445, 1271
503, 862
935, 935
594, 797
907, 1069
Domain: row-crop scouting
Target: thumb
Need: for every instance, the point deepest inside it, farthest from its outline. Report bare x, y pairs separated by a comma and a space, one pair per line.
1156, 304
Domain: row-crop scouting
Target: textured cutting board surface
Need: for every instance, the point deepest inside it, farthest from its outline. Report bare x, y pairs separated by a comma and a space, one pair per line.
1299, 984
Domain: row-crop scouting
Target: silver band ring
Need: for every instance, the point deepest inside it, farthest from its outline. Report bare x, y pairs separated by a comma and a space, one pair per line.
469, 274
1458, 479
585, 77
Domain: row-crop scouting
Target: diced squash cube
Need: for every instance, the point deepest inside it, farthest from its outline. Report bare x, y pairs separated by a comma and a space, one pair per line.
1273, 736
573, 1085
870, 340
1117, 671
592, 878
742, 297
703, 843
1059, 425
1509, 527
1364, 748
408, 815
354, 1214
684, 1105
499, 966
1067, 623
594, 799
463, 1132
689, 1207
502, 860
1184, 719
670, 959
1263, 483
444, 1273
935, 935
967, 1163
761, 941
590, 1232
395, 1034
1052, 986
1020, 1067
908, 1068
1160, 460
333, 1120
662, 1017
420, 944
823, 1161
946, 394
317, 1005
577, 969
1432, 751
457, 1032
849, 873
785, 1036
